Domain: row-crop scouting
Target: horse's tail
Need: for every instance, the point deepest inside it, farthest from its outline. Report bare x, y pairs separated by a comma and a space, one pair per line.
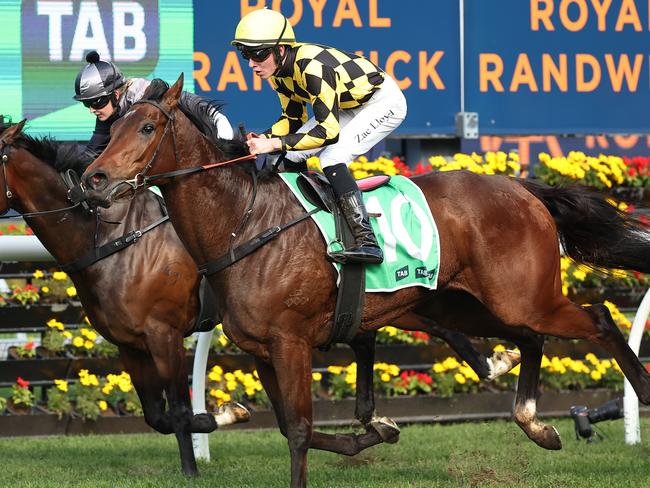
592, 230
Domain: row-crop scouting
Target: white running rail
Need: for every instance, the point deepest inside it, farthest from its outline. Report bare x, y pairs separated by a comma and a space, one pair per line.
630, 400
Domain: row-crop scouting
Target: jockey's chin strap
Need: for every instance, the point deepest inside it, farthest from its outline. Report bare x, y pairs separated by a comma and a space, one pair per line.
4, 159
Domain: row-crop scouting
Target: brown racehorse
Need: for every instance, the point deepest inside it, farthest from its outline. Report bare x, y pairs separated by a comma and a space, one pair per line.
151, 347
498, 238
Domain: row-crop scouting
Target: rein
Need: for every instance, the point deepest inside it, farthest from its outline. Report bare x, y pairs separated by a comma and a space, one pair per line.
234, 254
141, 179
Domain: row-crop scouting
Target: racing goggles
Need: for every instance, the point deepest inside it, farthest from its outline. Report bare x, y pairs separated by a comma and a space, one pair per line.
257, 55
97, 103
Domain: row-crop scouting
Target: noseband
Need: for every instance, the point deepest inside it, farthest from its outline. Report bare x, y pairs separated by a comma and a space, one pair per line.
142, 180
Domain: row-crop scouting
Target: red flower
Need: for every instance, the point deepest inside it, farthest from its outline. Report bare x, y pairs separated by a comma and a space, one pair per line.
29, 346
29, 231
11, 227
22, 383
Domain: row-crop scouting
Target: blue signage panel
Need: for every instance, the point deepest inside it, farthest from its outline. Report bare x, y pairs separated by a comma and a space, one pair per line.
416, 42
558, 66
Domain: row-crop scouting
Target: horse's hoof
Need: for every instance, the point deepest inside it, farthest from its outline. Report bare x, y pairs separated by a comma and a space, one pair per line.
501, 362
550, 439
203, 423
386, 428
232, 413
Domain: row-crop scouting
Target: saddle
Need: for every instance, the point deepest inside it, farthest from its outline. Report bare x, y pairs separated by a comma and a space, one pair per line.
352, 286
315, 187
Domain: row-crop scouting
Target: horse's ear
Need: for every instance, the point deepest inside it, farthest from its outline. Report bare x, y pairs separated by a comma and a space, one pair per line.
170, 99
8, 135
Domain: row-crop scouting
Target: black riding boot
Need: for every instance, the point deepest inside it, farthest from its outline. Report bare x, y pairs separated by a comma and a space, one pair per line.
366, 248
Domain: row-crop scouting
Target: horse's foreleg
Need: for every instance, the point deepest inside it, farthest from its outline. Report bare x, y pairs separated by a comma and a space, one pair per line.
291, 360
363, 346
525, 411
169, 357
347, 444
149, 387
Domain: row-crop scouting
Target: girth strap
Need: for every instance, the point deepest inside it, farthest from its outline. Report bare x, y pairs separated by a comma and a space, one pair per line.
99, 253
249, 247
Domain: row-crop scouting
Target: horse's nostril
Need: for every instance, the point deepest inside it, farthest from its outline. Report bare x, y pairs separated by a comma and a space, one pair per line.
97, 180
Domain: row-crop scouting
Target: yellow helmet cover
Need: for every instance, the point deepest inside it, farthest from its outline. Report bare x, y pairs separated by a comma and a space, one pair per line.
264, 28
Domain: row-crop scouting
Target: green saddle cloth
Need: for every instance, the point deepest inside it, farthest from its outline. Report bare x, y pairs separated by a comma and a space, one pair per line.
404, 228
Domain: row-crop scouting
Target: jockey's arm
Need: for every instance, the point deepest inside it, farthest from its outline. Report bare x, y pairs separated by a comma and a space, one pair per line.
189, 102
99, 140
321, 86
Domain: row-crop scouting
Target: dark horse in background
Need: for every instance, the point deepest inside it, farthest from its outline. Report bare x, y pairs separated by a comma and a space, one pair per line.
500, 273
145, 297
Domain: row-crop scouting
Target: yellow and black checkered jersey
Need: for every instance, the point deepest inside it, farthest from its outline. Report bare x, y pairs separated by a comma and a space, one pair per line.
329, 79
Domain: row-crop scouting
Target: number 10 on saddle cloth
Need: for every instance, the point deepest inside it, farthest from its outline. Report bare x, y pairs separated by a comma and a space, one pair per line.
404, 228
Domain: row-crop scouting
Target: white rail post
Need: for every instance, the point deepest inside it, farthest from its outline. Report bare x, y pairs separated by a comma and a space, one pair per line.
630, 400
200, 441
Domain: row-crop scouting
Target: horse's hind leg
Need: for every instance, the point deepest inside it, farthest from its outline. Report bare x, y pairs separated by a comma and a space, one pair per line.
348, 444
471, 320
525, 412
595, 324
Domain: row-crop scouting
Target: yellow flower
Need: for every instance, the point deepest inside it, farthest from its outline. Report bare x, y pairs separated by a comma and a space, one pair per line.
89, 344
67, 334
231, 385
460, 378
107, 389
214, 376
579, 275
61, 385
59, 276
78, 342
316, 376
45, 289
438, 368
385, 377
334, 369
38, 274
102, 405
596, 375
55, 324
71, 291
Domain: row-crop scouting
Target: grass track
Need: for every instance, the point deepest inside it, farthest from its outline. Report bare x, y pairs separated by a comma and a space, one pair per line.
462, 455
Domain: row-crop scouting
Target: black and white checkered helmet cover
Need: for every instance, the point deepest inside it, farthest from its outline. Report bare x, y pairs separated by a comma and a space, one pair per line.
97, 78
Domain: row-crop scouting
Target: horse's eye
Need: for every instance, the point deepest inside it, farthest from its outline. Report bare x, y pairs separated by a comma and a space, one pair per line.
147, 129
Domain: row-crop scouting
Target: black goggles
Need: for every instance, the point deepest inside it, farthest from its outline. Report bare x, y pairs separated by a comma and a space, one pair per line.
97, 103
257, 55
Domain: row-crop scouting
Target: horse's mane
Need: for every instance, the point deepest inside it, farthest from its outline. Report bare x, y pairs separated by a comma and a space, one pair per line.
60, 155
200, 116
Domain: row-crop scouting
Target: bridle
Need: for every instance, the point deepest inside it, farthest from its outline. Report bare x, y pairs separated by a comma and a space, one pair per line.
141, 179
4, 159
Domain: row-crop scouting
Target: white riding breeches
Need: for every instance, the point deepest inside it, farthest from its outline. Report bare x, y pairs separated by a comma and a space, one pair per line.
361, 128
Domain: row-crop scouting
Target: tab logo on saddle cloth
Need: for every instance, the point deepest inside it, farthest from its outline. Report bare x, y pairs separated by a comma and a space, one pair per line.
405, 230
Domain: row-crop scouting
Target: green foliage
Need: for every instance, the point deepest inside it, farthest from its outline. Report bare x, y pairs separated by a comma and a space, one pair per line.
58, 402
